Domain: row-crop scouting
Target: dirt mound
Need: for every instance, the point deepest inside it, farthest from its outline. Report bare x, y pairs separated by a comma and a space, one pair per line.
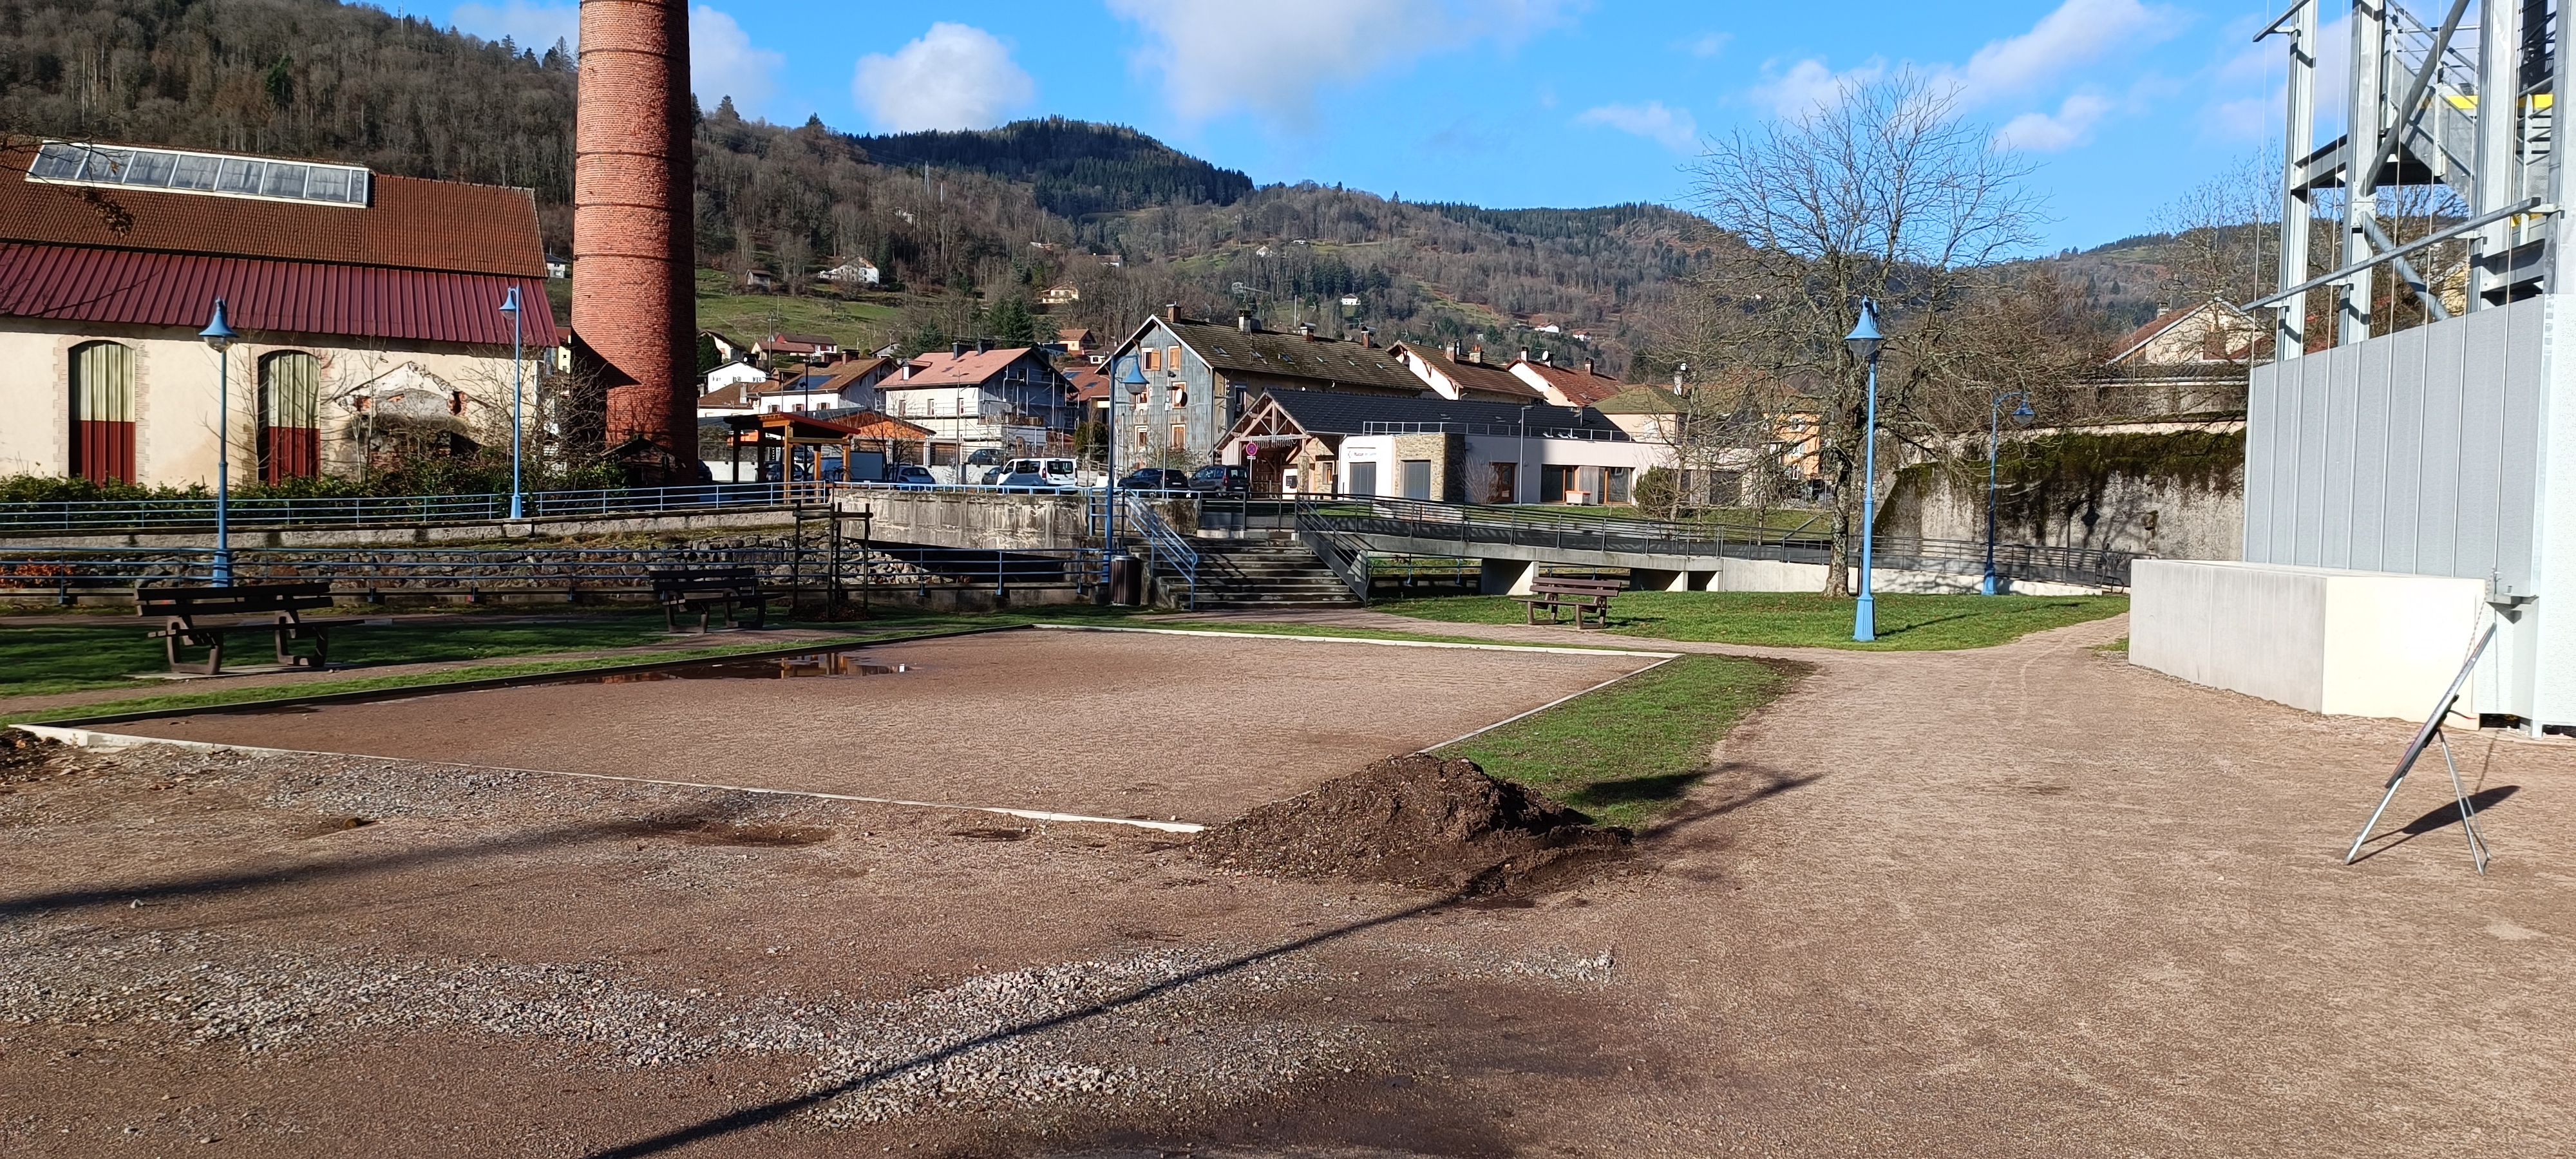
1416, 821
24, 755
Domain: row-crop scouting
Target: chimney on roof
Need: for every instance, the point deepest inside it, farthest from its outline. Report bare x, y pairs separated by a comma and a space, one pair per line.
1477, 356
1171, 311
1368, 337
1525, 354
1306, 330
1243, 319
982, 345
1542, 358
957, 350
1587, 366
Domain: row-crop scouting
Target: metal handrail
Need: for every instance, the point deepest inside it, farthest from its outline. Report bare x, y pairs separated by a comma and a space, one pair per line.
381, 510
1168, 547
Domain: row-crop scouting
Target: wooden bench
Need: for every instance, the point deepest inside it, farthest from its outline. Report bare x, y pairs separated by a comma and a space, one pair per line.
183, 608
698, 589
1582, 595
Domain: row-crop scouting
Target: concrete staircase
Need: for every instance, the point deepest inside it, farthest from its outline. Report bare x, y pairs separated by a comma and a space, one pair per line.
1262, 573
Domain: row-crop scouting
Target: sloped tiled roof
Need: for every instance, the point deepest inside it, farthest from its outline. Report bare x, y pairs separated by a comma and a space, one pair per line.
408, 223
973, 368
1472, 378
88, 284
1580, 386
1344, 413
1639, 400
1328, 361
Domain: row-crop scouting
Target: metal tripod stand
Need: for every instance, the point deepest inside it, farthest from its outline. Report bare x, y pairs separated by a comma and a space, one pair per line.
2432, 733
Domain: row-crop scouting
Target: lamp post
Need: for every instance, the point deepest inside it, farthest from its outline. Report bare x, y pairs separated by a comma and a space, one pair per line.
1994, 446
1134, 381
1522, 471
510, 306
1864, 341
220, 337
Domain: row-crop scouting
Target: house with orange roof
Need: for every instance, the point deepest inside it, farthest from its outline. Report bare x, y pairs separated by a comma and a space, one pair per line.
976, 398
1566, 385
1457, 375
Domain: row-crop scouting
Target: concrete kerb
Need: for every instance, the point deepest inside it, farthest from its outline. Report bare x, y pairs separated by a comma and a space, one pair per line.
1585, 649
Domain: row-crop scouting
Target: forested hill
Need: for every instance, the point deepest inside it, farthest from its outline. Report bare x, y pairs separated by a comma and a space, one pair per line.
999, 215
1076, 168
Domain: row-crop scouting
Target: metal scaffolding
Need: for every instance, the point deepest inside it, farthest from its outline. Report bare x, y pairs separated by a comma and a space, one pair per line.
2458, 104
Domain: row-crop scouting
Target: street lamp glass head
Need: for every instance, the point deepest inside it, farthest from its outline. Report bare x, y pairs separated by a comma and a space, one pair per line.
1864, 337
216, 333
1134, 379
2022, 413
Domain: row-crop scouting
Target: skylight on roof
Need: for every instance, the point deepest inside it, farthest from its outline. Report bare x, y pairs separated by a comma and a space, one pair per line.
64, 163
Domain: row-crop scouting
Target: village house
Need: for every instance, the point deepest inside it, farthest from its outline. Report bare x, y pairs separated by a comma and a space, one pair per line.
1060, 294
1079, 342
733, 373
2190, 360
846, 385
796, 348
1566, 385
1438, 449
368, 308
850, 272
1466, 376
973, 397
726, 348
733, 398
1202, 376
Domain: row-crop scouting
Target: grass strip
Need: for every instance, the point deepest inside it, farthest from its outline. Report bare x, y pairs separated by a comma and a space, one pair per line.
1627, 753
1906, 622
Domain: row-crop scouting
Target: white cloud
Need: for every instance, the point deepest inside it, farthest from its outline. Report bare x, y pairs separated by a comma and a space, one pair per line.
2070, 126
722, 62
536, 26
1707, 44
1808, 87
1272, 59
954, 77
1673, 127
2078, 33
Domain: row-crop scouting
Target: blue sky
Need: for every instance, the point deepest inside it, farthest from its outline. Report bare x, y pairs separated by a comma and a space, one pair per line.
2124, 104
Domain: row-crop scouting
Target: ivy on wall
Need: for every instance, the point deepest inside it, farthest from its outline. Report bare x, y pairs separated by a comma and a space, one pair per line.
2054, 479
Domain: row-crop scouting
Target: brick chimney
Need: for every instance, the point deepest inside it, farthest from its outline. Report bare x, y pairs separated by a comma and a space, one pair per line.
1306, 330
1243, 320
634, 300
1368, 337
1171, 311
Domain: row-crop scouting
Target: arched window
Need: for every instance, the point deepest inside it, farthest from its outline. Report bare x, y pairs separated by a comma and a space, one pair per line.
103, 412
290, 398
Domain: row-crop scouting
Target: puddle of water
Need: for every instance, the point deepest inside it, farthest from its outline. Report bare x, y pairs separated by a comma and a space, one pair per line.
770, 668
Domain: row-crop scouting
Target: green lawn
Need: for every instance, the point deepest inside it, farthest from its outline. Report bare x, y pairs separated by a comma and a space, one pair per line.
36, 661
1628, 752
1906, 623
752, 317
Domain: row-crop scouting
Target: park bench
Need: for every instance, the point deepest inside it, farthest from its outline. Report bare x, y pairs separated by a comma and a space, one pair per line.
183, 609
698, 589
1582, 595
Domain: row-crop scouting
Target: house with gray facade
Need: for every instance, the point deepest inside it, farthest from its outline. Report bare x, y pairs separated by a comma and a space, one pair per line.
1202, 376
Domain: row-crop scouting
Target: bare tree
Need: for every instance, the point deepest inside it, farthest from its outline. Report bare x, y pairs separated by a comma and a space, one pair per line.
1883, 194
2224, 233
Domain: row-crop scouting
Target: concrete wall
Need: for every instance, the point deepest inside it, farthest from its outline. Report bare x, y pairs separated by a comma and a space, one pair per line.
175, 391
966, 519
2167, 517
2329, 641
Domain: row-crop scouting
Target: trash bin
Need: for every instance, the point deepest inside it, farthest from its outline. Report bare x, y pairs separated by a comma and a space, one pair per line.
1126, 581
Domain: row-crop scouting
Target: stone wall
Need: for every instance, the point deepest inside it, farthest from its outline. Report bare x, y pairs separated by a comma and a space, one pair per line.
2175, 495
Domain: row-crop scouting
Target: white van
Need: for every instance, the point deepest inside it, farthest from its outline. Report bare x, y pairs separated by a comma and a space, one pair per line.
1057, 472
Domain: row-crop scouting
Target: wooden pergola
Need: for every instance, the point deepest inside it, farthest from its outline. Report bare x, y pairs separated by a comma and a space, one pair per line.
790, 433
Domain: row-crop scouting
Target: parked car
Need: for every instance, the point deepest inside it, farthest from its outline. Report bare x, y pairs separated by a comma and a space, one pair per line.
1156, 479
911, 475
1059, 472
1221, 479
994, 475
1028, 481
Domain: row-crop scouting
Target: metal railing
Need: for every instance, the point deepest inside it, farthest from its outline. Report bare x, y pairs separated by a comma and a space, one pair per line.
1166, 549
193, 514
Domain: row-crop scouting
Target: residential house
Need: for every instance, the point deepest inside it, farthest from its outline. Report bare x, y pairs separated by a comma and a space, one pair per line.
345, 287
973, 397
1566, 385
850, 272
733, 398
1078, 342
796, 347
1205, 375
558, 266
727, 349
846, 385
1468, 376
1060, 294
734, 373
2190, 360
761, 280
1445, 450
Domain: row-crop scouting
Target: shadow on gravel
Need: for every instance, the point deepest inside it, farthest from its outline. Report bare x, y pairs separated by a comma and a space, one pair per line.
1727, 788
768, 1112
2443, 816
690, 824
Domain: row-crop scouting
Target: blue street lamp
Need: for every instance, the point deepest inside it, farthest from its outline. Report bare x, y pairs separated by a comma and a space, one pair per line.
510, 306
220, 337
1994, 445
1864, 341
1134, 381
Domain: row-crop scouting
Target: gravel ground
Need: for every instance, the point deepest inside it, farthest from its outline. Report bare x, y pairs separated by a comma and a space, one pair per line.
2026, 901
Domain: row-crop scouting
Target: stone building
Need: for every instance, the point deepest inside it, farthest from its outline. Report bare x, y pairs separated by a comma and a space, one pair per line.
368, 307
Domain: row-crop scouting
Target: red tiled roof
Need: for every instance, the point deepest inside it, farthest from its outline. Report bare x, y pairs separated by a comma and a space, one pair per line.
1580, 387
1091, 384
409, 224
84, 284
969, 369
